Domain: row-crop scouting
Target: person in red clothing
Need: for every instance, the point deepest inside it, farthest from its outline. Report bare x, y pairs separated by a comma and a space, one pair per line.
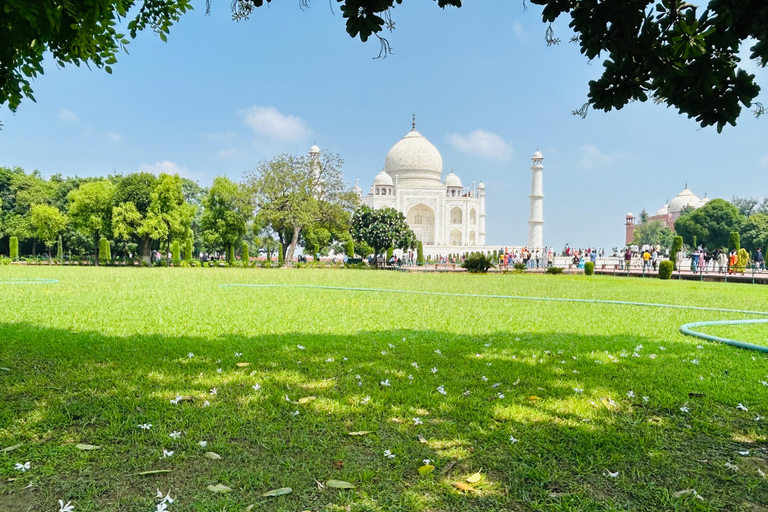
627, 259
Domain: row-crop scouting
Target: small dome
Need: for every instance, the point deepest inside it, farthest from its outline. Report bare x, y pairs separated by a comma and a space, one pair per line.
314, 149
537, 155
630, 215
383, 179
704, 201
414, 157
452, 180
683, 199
481, 186
664, 210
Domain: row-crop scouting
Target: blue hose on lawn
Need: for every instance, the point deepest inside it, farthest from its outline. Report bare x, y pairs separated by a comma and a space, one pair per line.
685, 329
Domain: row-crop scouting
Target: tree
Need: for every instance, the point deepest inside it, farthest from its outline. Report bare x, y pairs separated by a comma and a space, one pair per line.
90, 208
380, 228
227, 209
746, 205
132, 199
49, 222
77, 33
652, 233
711, 224
663, 50
294, 193
169, 215
677, 246
754, 233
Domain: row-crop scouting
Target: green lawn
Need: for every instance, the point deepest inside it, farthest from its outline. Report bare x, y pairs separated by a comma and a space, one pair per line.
586, 390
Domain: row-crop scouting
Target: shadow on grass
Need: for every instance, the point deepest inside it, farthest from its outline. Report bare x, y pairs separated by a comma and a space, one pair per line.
577, 406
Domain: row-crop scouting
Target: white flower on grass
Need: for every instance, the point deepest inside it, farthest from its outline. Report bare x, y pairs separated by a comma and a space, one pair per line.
611, 474
732, 467
346, 359
214, 391
295, 413
190, 355
484, 378
760, 472
694, 361
578, 390
741, 407
441, 390
167, 453
175, 401
388, 454
487, 344
758, 418
701, 377
218, 361
238, 354
287, 398
415, 365
426, 461
488, 364
662, 348
144, 426
410, 377
162, 507
329, 360
206, 403
467, 393
385, 383
417, 421
512, 439
699, 347
764, 383
391, 345
494, 386
300, 347
164, 499
575, 371
639, 347
203, 444
22, 467
645, 399
256, 386
365, 400
433, 370
383, 352
652, 356
745, 453
635, 355
358, 377
175, 434
437, 351
684, 409
630, 394
218, 370
66, 507
500, 395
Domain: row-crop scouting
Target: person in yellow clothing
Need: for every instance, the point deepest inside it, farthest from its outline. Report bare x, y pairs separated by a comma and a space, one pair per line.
646, 260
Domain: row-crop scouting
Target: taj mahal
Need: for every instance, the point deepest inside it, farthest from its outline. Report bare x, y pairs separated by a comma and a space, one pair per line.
446, 216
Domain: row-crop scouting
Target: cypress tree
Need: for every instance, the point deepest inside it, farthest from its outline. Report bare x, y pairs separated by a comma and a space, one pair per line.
677, 245
246, 259
231, 254
350, 249
14, 247
104, 250
420, 254
175, 250
734, 243
188, 249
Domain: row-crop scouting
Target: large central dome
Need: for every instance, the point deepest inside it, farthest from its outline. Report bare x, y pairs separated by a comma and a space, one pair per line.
415, 160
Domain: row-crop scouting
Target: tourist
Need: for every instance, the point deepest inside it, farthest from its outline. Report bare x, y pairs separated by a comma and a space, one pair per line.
550, 257
646, 260
759, 260
654, 259
627, 259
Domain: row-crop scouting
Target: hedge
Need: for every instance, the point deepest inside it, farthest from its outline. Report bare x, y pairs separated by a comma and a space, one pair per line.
665, 269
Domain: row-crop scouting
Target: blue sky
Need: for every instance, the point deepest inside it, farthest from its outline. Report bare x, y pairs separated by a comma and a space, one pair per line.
221, 96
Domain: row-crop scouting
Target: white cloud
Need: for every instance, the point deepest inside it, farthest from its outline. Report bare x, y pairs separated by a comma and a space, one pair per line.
271, 123
168, 167
114, 137
590, 157
481, 143
230, 153
67, 116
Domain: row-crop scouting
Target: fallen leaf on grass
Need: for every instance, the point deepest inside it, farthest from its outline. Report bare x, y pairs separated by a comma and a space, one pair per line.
11, 448
212, 455
154, 472
463, 487
243, 365
361, 433
254, 372
82, 446
687, 492
249, 508
219, 488
426, 469
307, 399
422, 439
448, 467
475, 478
278, 492
533, 398
339, 484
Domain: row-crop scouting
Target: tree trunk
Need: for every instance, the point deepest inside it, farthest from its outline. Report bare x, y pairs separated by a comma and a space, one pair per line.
146, 250
96, 244
288, 262
34, 247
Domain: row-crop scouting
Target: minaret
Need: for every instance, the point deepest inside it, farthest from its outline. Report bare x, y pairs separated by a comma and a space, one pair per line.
481, 225
536, 218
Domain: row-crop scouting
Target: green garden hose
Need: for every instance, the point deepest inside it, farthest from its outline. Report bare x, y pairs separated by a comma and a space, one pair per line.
685, 329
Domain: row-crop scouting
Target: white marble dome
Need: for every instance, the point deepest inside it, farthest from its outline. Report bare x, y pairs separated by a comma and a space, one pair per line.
537, 155
704, 201
414, 158
683, 199
383, 179
664, 210
452, 180
314, 149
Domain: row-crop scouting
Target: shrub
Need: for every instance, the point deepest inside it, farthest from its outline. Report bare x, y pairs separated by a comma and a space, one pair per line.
175, 250
734, 243
230, 254
5, 261
665, 269
280, 254
14, 246
677, 245
350, 249
420, 254
245, 256
589, 268
477, 264
188, 249
520, 268
390, 252
553, 270
104, 255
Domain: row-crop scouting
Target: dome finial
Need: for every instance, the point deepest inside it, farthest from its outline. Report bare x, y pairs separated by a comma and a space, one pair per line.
686, 184
413, 123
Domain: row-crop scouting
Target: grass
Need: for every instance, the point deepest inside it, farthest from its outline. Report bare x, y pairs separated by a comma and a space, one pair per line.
90, 358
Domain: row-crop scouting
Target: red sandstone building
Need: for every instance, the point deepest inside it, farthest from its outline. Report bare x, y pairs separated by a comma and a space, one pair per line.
668, 213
